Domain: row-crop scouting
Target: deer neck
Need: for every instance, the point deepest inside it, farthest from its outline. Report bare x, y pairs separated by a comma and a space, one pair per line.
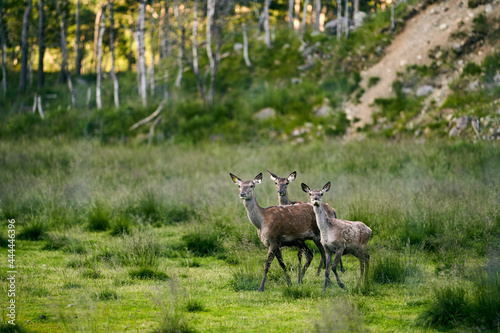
255, 212
284, 200
321, 219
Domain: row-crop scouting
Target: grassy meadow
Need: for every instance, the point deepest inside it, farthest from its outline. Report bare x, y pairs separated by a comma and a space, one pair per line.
122, 238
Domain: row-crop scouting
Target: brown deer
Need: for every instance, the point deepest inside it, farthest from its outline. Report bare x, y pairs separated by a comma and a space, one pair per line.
283, 199
279, 226
339, 236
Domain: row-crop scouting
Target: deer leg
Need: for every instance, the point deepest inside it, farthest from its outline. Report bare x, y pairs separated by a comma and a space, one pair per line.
299, 254
336, 260
269, 260
322, 253
367, 264
309, 258
277, 252
328, 261
361, 267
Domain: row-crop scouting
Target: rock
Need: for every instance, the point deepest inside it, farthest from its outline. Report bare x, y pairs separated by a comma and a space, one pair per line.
488, 8
265, 113
461, 124
324, 110
424, 90
359, 18
473, 85
496, 79
457, 47
238, 47
443, 26
296, 80
331, 26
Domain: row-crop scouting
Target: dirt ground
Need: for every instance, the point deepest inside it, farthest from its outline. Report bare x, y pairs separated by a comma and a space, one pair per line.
430, 28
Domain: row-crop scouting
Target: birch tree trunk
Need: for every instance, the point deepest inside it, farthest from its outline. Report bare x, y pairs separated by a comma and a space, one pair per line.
304, 21
64, 49
116, 96
79, 49
317, 13
356, 7
210, 53
195, 37
165, 45
339, 19
99, 57
3, 42
180, 50
245, 45
346, 18
41, 44
152, 40
24, 47
393, 20
290, 13
141, 69
96, 35
267, 30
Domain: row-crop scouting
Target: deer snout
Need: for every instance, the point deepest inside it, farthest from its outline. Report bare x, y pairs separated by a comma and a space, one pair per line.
281, 193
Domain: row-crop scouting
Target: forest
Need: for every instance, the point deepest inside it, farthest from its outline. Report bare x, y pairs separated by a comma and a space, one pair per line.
125, 125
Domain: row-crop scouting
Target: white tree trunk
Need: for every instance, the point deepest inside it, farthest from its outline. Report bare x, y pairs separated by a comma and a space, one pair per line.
24, 47
180, 54
116, 87
64, 48
356, 7
245, 45
152, 40
393, 20
164, 31
304, 20
267, 29
195, 37
290, 13
99, 58
317, 14
346, 18
339, 23
141, 70
210, 53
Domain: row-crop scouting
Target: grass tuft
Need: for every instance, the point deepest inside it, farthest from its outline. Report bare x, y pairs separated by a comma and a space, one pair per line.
35, 230
393, 269
145, 273
204, 240
99, 218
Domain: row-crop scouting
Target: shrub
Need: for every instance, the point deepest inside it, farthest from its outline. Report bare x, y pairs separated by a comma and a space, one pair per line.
393, 269
204, 241
145, 273
373, 81
99, 218
34, 230
449, 307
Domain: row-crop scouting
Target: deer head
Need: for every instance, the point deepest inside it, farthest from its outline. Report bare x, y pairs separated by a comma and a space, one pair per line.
282, 183
316, 196
246, 186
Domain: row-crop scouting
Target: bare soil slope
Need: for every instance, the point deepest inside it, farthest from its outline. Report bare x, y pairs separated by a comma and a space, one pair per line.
430, 28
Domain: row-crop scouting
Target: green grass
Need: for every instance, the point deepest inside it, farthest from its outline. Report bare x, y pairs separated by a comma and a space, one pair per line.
433, 209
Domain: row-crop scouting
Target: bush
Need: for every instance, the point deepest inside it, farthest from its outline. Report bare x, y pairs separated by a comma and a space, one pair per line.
34, 231
448, 308
99, 218
204, 240
393, 269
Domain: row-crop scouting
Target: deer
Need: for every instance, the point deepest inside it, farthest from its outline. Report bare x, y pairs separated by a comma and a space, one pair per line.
279, 226
283, 199
339, 236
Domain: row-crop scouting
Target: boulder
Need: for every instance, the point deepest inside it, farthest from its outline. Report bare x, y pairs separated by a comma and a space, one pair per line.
359, 19
265, 113
424, 90
331, 26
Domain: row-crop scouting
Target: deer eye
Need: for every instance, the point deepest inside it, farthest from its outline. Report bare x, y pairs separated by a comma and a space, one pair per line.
287, 183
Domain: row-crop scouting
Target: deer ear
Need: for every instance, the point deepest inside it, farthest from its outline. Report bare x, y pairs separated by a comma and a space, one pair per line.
258, 179
235, 179
292, 176
273, 176
305, 188
326, 188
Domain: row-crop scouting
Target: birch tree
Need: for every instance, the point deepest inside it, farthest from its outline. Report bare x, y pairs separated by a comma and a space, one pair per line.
79, 49
193, 62
304, 21
339, 19
267, 30
165, 45
3, 42
317, 14
41, 44
141, 68
346, 18
393, 20
290, 13
245, 45
64, 49
99, 57
152, 41
24, 47
116, 87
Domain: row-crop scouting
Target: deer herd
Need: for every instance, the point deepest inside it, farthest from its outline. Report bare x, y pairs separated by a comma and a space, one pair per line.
293, 222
